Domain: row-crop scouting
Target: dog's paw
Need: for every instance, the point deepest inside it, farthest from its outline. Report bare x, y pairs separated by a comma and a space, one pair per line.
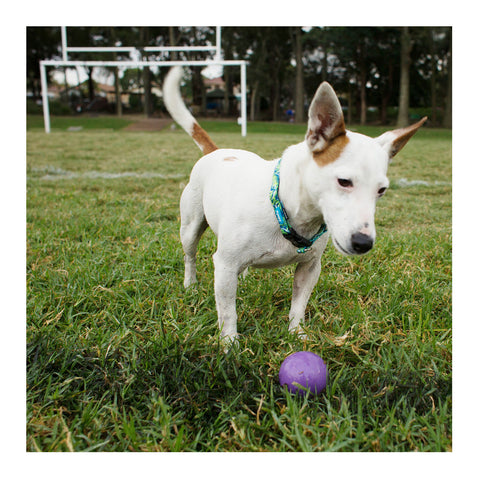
229, 341
299, 332
189, 282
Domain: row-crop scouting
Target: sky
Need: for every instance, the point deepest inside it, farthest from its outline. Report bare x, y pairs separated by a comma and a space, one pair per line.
78, 75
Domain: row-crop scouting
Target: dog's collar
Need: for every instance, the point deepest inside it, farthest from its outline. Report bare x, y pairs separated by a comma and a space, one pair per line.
303, 244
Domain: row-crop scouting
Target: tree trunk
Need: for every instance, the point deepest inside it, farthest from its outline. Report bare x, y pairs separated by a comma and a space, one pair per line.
363, 96
433, 88
253, 101
447, 118
67, 87
173, 42
197, 94
204, 96
226, 92
404, 97
147, 91
362, 84
299, 82
118, 88
118, 92
228, 82
276, 99
387, 93
433, 77
324, 64
146, 77
350, 104
91, 89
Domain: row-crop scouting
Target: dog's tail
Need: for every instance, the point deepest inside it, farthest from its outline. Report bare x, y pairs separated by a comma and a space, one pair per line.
180, 113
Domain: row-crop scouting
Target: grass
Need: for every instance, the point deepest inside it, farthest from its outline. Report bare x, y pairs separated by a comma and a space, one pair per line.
121, 358
86, 122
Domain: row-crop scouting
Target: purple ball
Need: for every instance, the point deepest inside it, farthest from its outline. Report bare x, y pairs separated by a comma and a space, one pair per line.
306, 369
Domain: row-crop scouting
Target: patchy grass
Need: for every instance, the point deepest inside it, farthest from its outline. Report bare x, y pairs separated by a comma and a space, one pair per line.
120, 357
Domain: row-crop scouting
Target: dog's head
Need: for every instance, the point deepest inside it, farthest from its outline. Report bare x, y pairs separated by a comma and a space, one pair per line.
348, 171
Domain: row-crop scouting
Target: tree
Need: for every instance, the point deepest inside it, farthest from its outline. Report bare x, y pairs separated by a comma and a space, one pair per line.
384, 70
362, 79
344, 59
447, 118
247, 43
146, 76
299, 85
84, 36
118, 91
433, 77
405, 60
42, 43
361, 63
191, 36
278, 60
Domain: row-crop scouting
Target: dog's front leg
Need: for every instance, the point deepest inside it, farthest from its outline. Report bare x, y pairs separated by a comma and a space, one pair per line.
226, 280
305, 278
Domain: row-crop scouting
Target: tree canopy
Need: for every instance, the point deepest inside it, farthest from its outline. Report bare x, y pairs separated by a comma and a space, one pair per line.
381, 74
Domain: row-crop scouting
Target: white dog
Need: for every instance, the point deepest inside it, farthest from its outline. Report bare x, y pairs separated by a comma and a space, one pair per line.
274, 213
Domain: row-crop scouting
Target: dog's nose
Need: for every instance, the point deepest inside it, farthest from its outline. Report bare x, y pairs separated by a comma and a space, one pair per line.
361, 243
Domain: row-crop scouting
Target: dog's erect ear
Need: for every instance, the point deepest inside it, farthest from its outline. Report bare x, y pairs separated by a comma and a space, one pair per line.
325, 118
394, 140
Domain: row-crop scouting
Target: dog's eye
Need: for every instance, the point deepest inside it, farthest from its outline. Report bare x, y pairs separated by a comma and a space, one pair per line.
345, 183
381, 191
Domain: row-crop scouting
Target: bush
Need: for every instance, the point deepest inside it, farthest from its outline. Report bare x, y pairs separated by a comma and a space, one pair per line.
56, 107
59, 108
33, 108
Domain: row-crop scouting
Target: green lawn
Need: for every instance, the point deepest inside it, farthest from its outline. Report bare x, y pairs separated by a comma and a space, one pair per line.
85, 122
121, 358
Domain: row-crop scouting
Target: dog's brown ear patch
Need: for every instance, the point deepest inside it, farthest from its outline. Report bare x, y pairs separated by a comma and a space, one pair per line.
394, 140
331, 152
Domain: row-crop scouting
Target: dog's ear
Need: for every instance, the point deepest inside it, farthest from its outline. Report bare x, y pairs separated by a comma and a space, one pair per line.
394, 140
325, 118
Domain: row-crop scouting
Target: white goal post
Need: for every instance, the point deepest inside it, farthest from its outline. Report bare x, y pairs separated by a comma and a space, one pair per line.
216, 62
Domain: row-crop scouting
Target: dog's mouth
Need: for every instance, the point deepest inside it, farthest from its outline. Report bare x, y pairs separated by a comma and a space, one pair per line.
360, 248
342, 250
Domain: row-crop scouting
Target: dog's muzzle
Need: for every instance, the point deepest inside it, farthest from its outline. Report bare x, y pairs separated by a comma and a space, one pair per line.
361, 243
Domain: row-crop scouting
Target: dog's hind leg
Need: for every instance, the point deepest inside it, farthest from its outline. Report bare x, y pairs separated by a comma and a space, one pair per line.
193, 224
226, 281
305, 278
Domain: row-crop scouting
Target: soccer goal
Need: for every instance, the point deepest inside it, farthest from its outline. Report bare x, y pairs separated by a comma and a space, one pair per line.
213, 67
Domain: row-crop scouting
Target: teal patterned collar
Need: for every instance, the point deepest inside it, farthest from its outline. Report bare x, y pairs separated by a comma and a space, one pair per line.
303, 244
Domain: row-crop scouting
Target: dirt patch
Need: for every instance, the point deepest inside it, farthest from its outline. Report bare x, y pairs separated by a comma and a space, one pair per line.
143, 124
